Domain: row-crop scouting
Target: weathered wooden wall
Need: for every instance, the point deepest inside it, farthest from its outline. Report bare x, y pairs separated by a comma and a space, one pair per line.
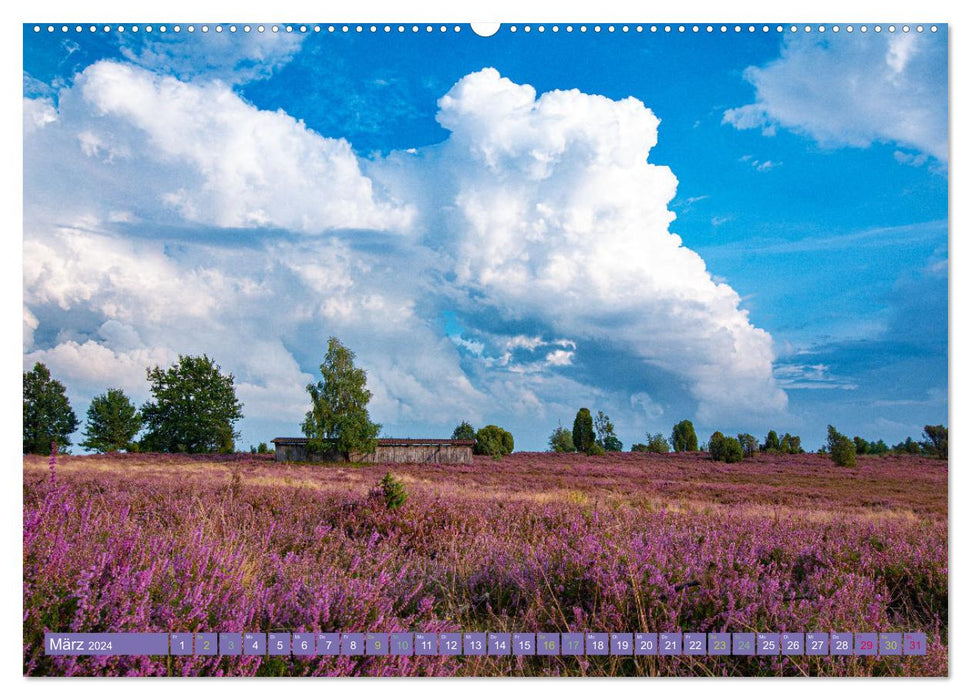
434, 453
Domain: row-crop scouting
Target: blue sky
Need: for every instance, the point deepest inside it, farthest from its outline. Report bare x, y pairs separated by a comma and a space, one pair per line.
758, 239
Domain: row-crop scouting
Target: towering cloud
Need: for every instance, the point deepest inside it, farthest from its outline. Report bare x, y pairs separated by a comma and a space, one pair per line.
552, 212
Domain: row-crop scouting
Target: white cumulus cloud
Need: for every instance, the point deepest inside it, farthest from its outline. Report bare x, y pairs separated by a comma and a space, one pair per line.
853, 90
555, 214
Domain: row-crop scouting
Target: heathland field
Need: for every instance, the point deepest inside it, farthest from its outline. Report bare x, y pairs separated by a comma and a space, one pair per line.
534, 542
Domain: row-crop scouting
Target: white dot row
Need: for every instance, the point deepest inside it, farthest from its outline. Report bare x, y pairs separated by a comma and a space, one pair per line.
414, 28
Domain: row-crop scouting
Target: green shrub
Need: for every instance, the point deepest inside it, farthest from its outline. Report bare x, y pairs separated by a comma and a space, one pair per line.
716, 446
657, 443
463, 431
841, 449
561, 440
639, 447
732, 450
583, 435
596, 450
936, 441
749, 443
683, 437
493, 441
393, 492
771, 443
790, 444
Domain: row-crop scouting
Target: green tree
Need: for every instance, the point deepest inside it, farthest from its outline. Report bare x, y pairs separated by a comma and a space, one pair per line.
463, 431
716, 446
606, 437
908, 447
683, 437
338, 417
393, 491
771, 442
493, 441
841, 449
561, 440
861, 446
48, 416
583, 435
657, 444
732, 450
194, 409
790, 444
878, 448
935, 443
113, 422
749, 443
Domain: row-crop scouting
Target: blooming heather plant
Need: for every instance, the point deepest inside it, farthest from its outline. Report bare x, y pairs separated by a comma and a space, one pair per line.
538, 542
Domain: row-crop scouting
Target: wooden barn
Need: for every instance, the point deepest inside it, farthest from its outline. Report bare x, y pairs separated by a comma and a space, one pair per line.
398, 450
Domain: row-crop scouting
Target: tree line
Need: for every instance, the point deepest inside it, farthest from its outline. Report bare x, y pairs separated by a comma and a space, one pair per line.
596, 436
194, 409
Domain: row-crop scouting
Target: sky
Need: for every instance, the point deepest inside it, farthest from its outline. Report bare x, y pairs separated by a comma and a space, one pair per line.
749, 230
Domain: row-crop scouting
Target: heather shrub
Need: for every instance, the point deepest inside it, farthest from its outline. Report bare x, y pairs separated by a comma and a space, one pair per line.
841, 449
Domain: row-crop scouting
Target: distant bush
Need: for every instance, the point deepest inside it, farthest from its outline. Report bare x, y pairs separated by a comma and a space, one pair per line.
393, 492
561, 440
657, 443
583, 436
725, 449
493, 441
771, 443
596, 450
879, 448
716, 446
936, 441
908, 447
841, 449
262, 449
463, 431
790, 445
639, 447
749, 443
683, 437
606, 437
732, 450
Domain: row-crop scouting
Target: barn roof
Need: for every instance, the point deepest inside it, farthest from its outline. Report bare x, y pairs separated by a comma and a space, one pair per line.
383, 442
